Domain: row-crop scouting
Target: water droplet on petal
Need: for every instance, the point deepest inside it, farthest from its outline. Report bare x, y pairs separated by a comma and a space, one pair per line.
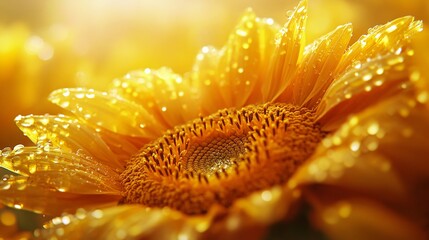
97, 214
373, 128
266, 196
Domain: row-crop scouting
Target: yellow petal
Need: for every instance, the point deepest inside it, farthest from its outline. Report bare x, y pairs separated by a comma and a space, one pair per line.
364, 85
229, 78
289, 47
358, 219
375, 67
420, 75
204, 74
72, 172
121, 145
315, 71
340, 168
122, 222
243, 220
379, 154
36, 194
110, 112
69, 134
167, 96
380, 40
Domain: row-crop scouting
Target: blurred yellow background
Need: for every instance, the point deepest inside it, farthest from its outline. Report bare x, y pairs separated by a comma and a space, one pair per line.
45, 45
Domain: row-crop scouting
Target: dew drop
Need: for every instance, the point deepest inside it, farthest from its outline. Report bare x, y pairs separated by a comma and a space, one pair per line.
241, 32
32, 168
354, 146
348, 95
423, 97
269, 21
6, 151
5, 185
266, 196
301, 9
28, 122
66, 93
367, 77
66, 220
97, 214
373, 128
378, 83
379, 71
79, 95
18, 149
90, 95
18, 205
205, 49
65, 104
368, 88
47, 147
80, 213
56, 221
391, 28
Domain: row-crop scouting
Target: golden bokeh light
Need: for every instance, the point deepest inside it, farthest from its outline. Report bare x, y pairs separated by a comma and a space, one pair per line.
52, 45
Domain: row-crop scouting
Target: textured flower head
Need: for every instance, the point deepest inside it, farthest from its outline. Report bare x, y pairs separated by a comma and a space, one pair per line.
254, 133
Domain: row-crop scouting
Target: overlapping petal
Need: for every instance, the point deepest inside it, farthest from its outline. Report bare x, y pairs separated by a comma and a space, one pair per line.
380, 40
376, 67
36, 194
363, 219
379, 154
243, 220
363, 85
166, 95
289, 47
232, 77
69, 134
50, 180
103, 110
314, 73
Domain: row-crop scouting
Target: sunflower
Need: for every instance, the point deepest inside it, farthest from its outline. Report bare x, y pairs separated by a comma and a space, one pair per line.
256, 133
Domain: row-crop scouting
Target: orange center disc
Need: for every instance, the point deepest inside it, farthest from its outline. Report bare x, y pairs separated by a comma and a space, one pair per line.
222, 157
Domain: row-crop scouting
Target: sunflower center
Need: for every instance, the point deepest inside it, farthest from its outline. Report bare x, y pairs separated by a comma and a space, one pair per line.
214, 153
222, 157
